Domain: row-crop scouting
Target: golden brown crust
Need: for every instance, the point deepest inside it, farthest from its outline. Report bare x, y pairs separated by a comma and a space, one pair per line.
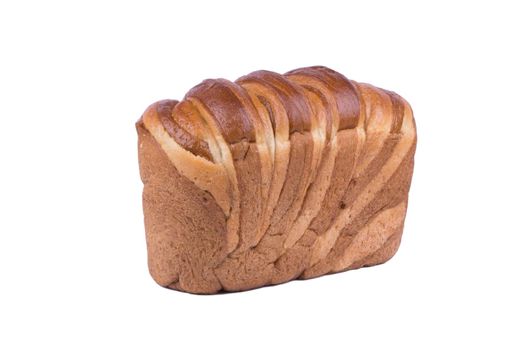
272, 178
344, 91
297, 108
398, 110
179, 120
219, 97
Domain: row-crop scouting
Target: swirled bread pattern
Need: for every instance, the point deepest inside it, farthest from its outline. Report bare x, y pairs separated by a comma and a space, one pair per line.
272, 178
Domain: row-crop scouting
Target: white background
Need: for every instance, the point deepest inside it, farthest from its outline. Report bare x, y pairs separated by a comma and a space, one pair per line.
74, 77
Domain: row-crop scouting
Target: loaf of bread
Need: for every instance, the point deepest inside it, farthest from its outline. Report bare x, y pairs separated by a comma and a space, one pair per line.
272, 178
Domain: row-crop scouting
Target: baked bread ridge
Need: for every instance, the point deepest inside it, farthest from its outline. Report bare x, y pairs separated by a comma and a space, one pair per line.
272, 178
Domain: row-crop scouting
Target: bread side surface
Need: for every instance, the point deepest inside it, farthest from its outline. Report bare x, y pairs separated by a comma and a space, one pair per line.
185, 228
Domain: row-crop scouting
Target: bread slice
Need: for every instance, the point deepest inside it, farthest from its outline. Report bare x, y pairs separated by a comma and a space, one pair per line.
252, 268
272, 178
342, 103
